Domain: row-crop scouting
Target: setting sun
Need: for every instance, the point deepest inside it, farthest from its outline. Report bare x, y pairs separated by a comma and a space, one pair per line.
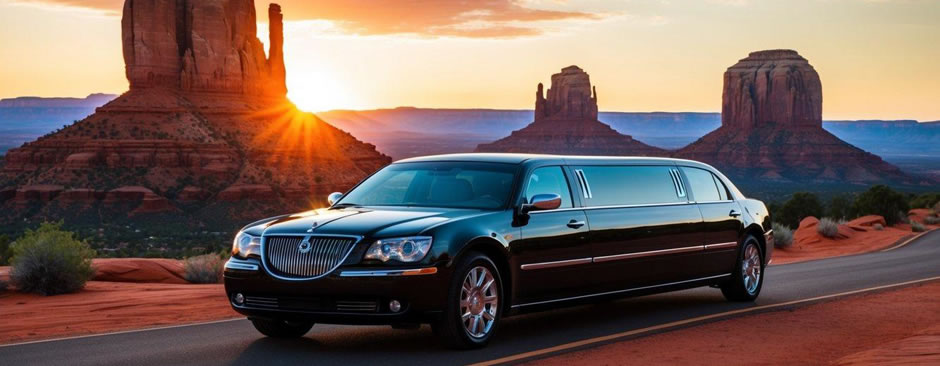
315, 89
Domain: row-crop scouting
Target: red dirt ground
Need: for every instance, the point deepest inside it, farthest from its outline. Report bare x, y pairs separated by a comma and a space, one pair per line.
855, 237
109, 306
893, 327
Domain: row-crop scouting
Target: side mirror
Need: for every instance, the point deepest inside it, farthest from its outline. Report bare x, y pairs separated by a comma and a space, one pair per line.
540, 202
333, 198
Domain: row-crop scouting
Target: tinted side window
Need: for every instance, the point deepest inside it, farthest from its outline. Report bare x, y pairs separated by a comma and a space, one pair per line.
549, 180
630, 185
702, 184
722, 189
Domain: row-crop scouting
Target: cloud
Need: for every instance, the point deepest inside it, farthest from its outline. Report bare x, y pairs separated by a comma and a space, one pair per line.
434, 18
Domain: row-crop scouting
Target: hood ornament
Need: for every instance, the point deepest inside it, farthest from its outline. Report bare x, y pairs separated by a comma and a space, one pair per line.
314, 226
305, 246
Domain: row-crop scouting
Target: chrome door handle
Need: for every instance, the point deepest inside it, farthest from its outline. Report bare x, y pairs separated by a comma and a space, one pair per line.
575, 224
734, 213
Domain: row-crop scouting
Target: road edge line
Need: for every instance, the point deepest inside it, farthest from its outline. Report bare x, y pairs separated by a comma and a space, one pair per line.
678, 323
908, 241
120, 332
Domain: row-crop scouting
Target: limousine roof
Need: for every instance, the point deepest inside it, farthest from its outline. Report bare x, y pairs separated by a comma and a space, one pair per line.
512, 158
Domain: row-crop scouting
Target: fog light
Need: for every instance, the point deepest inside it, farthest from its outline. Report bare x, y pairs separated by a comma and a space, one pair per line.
394, 306
239, 299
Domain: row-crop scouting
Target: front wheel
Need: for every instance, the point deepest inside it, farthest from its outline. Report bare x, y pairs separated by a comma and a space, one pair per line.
281, 328
473, 304
748, 276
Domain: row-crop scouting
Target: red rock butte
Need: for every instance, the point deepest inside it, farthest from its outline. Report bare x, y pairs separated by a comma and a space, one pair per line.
771, 128
206, 120
566, 123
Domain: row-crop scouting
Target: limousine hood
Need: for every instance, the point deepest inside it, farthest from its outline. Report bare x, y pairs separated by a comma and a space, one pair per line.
365, 222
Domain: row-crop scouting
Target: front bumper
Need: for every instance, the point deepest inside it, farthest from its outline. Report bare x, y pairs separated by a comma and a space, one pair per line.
345, 296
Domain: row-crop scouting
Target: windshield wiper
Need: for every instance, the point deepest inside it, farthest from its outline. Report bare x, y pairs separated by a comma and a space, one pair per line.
344, 205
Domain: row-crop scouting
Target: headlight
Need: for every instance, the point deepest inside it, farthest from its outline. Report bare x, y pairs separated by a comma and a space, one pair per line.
407, 250
246, 245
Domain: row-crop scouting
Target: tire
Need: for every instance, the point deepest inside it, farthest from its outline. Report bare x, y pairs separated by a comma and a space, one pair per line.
748, 276
482, 302
281, 328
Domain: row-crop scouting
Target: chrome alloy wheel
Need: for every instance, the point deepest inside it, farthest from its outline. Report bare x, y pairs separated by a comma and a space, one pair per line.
479, 301
751, 268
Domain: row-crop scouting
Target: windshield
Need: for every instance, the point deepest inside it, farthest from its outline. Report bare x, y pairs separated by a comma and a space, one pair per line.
436, 184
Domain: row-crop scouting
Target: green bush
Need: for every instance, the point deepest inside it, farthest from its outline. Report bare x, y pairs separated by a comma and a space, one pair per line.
884, 201
3, 286
917, 227
50, 261
840, 208
204, 268
828, 228
878, 227
5, 251
801, 205
926, 200
783, 236
932, 220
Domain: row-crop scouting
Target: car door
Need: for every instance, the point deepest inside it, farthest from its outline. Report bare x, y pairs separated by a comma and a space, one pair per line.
644, 230
721, 220
553, 247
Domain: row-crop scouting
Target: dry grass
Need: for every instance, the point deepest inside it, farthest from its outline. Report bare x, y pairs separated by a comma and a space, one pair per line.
828, 228
783, 236
204, 269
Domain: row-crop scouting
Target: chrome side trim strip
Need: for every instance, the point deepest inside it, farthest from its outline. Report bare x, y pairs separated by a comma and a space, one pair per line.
543, 265
730, 244
617, 257
615, 206
241, 265
390, 272
620, 291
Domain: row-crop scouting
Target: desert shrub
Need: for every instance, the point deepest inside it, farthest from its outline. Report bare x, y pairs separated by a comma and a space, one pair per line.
204, 268
3, 286
917, 227
828, 228
783, 236
932, 220
840, 207
50, 261
878, 227
801, 205
884, 201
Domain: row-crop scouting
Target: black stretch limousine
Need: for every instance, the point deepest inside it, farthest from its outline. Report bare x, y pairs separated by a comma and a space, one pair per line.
459, 241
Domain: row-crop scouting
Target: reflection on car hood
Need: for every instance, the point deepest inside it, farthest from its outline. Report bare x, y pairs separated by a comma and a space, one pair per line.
366, 222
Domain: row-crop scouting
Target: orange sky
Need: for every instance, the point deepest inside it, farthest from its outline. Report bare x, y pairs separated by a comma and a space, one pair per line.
877, 58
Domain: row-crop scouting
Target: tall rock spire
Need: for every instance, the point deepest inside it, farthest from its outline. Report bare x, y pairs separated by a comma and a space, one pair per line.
202, 46
276, 67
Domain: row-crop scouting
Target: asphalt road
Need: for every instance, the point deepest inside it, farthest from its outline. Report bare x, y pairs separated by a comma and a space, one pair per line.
236, 342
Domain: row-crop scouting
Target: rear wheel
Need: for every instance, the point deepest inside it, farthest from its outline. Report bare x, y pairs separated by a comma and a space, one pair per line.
282, 328
473, 304
748, 276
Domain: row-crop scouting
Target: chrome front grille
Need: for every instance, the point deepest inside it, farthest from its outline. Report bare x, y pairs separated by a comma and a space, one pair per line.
289, 256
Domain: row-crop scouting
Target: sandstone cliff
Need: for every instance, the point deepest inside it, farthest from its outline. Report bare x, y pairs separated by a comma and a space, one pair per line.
205, 117
772, 127
566, 123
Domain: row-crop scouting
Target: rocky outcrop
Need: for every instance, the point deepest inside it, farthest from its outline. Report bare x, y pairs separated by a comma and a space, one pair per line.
772, 128
566, 123
201, 45
206, 120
